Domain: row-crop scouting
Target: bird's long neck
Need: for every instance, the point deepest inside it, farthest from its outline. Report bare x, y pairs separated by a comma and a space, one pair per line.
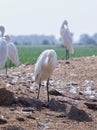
2, 29
64, 26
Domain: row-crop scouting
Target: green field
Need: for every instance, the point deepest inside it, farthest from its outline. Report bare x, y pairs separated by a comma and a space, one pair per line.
29, 54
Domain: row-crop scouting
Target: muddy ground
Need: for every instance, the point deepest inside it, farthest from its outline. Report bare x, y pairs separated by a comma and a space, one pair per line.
73, 98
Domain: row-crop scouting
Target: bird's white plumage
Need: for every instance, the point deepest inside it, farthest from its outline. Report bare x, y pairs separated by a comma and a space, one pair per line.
3, 48
45, 65
12, 51
3, 52
66, 37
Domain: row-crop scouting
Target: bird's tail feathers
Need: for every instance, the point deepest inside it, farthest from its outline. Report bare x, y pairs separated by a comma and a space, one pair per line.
36, 78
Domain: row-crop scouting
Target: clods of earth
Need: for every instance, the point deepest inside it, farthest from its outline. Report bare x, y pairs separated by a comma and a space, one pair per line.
73, 97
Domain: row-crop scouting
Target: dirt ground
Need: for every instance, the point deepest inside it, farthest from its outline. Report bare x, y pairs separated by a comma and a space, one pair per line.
73, 98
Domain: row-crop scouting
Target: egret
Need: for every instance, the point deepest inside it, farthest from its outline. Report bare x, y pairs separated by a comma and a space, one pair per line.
12, 51
44, 68
66, 39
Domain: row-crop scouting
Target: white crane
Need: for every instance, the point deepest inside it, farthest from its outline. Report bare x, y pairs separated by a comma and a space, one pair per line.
12, 51
7, 49
66, 39
44, 67
3, 48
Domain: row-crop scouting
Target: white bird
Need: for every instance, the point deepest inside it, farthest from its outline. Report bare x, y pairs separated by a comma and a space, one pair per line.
3, 48
66, 38
12, 51
44, 68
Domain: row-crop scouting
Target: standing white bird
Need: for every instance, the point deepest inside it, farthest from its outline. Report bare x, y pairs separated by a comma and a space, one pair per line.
66, 39
44, 67
12, 51
3, 48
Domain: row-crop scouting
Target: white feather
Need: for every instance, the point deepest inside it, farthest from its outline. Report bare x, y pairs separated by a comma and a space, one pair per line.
13, 54
12, 51
3, 48
45, 65
66, 37
3, 52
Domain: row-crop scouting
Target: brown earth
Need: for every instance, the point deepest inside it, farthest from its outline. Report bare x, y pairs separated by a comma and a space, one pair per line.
73, 98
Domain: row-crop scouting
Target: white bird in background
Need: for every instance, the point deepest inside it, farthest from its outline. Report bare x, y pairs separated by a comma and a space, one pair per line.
7, 49
12, 51
44, 67
66, 39
3, 48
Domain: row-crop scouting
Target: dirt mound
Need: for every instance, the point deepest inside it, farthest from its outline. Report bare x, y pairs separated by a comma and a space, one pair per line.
73, 97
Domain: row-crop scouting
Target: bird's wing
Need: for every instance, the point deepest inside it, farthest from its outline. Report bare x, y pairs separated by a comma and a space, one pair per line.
13, 54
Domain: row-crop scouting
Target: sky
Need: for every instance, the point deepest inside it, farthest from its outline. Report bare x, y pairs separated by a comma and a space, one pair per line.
44, 17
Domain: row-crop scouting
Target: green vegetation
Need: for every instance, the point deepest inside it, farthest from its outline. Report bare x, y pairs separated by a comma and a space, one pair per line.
81, 50
29, 54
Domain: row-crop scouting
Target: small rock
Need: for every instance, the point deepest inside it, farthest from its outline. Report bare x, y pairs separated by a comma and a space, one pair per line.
29, 109
31, 117
92, 106
3, 121
42, 126
92, 98
28, 102
13, 127
6, 97
62, 115
78, 115
55, 92
80, 93
56, 105
20, 119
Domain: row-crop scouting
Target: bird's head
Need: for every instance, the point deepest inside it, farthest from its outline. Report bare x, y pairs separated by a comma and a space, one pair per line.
65, 22
49, 55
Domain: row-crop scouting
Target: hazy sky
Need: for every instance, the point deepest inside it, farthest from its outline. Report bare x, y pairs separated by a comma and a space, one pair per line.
46, 16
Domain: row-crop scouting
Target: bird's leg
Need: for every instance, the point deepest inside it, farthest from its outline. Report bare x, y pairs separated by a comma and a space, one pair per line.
39, 89
67, 56
48, 90
6, 69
